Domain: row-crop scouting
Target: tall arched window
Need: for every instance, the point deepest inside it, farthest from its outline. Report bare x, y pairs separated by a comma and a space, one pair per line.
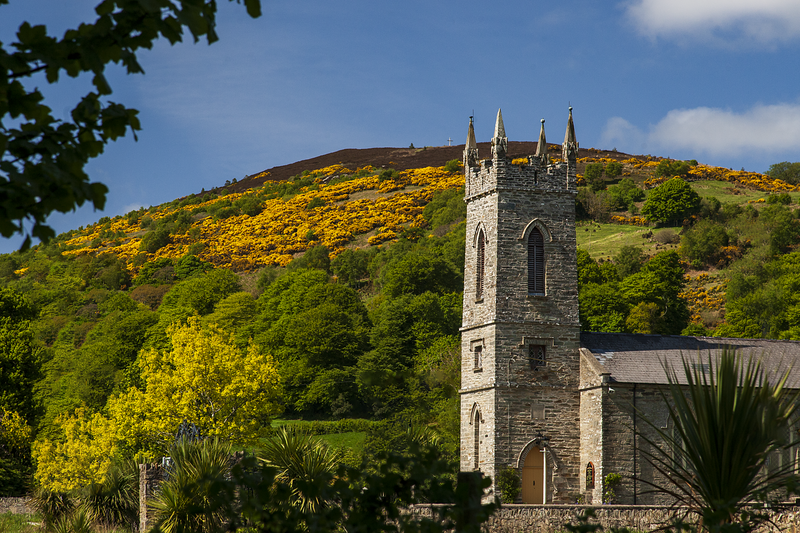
476, 439
479, 266
535, 262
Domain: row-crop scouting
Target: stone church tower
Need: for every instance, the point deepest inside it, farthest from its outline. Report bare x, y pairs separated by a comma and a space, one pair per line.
520, 335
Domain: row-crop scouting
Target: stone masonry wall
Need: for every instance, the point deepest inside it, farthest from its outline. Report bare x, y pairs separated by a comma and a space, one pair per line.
551, 518
15, 505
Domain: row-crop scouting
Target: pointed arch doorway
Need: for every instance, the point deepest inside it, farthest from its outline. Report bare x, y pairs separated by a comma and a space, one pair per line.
533, 476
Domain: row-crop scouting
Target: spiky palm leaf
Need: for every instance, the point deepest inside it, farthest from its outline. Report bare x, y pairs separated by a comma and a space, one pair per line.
185, 502
726, 425
302, 461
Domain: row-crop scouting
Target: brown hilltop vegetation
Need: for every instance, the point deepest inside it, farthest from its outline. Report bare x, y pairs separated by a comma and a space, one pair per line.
400, 159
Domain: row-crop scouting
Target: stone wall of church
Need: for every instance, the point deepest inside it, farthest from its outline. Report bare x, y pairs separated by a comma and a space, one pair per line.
591, 413
626, 409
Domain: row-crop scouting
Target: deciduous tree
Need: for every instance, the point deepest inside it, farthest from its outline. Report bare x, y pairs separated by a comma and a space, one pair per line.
203, 379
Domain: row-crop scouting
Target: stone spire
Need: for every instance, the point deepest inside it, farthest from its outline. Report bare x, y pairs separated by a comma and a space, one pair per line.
569, 150
499, 141
541, 148
471, 149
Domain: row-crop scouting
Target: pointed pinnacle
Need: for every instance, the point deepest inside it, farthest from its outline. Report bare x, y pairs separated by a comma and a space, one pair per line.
541, 148
499, 129
471, 143
569, 136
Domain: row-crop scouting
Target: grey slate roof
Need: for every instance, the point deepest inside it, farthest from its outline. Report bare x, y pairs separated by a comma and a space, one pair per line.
631, 358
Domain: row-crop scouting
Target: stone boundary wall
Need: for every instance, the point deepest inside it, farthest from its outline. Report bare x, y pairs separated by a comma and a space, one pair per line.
15, 506
519, 518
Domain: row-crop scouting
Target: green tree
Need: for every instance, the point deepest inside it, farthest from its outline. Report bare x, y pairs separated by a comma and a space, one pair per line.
660, 281
43, 158
602, 308
786, 171
709, 467
629, 260
419, 273
702, 244
670, 202
613, 169
594, 176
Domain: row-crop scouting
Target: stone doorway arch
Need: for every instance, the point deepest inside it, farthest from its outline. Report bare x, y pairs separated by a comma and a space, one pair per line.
533, 480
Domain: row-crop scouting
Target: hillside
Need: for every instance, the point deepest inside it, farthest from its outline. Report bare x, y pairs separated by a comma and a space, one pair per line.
345, 272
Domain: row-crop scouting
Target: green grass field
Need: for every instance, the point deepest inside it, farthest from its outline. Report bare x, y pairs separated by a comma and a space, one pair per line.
727, 192
603, 241
19, 523
345, 441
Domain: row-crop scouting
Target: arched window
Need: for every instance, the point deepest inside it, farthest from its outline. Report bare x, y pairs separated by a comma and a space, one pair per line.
476, 439
479, 266
535, 262
590, 476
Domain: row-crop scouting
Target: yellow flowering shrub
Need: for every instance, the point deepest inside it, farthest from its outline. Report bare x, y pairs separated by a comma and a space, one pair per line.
279, 231
204, 379
14, 431
703, 294
519, 161
634, 220
83, 457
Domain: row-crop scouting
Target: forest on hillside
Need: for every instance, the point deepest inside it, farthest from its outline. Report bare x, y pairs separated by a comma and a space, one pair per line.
336, 297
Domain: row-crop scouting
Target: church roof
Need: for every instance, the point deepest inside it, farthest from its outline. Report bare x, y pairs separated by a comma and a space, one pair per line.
631, 358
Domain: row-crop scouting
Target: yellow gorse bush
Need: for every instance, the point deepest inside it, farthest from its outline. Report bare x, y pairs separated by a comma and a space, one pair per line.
280, 231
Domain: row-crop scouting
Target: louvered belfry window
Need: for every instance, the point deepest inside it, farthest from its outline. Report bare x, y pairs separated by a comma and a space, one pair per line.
535, 262
479, 269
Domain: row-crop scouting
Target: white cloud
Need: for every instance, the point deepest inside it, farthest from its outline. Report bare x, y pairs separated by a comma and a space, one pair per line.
765, 129
761, 21
621, 134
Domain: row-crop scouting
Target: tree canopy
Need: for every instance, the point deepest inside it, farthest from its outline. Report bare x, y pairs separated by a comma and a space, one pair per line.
670, 201
42, 158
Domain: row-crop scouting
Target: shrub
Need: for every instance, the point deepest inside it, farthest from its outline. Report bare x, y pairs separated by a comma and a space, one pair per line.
149, 295
782, 198
667, 236
454, 165
154, 240
509, 484
613, 169
315, 202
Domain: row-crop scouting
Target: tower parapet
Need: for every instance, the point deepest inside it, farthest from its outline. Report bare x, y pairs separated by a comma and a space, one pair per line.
538, 174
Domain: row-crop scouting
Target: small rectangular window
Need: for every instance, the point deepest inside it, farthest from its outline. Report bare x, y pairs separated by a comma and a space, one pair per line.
536, 356
478, 351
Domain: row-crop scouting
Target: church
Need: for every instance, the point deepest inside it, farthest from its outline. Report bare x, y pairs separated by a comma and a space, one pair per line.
539, 396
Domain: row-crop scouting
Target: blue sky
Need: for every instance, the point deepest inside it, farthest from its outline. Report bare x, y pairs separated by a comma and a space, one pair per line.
712, 80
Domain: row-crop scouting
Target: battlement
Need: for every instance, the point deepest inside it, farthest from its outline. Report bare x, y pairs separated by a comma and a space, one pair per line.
538, 174
494, 174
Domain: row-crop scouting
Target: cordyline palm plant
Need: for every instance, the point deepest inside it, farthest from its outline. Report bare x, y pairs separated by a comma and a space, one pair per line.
187, 499
726, 425
303, 462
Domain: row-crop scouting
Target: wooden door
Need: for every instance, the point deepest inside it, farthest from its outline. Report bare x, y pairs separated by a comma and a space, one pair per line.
533, 477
